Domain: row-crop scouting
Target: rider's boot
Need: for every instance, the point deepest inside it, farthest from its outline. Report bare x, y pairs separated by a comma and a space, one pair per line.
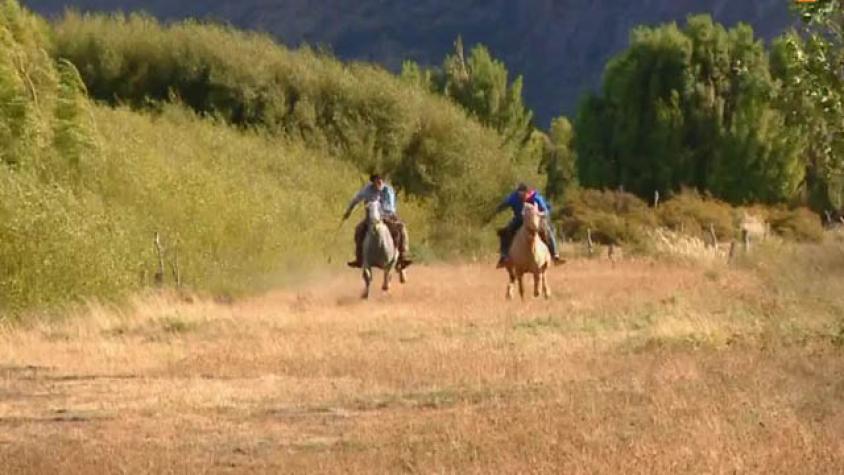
358, 262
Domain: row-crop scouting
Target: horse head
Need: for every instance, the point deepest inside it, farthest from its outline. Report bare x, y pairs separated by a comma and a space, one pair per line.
532, 217
373, 212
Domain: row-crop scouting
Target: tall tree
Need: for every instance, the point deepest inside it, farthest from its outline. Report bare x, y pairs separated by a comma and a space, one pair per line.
691, 107
74, 129
808, 62
480, 83
559, 160
26, 82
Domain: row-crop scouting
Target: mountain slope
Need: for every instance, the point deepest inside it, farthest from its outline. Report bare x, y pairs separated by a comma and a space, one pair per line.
560, 46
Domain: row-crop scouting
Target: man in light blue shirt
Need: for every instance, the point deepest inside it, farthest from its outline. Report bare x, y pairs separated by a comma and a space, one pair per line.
379, 190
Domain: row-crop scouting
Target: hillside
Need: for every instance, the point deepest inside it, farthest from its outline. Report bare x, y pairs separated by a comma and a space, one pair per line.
560, 46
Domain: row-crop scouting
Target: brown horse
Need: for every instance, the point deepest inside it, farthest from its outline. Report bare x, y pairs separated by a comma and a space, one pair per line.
529, 255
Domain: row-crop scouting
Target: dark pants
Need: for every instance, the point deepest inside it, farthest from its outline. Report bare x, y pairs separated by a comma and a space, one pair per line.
397, 230
507, 233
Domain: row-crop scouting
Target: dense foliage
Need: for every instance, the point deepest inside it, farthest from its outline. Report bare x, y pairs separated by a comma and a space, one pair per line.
481, 85
358, 112
241, 154
808, 64
559, 46
83, 189
690, 107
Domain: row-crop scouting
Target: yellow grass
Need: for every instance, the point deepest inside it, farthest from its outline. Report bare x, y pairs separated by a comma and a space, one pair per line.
634, 367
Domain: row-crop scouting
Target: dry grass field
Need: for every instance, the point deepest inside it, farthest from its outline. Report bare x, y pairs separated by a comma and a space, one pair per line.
644, 366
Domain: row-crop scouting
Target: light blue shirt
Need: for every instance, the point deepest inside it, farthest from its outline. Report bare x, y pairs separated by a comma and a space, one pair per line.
387, 197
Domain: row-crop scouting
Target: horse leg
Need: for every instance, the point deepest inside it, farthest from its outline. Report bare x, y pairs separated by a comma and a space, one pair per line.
510, 284
521, 285
402, 273
536, 278
367, 278
545, 290
387, 275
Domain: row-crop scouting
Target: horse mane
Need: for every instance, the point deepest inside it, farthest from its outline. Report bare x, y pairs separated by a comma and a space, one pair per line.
528, 239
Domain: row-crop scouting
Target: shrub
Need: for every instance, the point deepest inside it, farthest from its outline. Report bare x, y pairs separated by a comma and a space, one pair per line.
614, 217
83, 187
235, 208
690, 213
358, 112
800, 224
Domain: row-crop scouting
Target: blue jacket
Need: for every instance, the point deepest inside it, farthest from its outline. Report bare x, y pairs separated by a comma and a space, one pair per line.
512, 201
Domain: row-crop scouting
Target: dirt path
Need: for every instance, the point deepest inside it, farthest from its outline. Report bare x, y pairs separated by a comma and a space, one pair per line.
638, 367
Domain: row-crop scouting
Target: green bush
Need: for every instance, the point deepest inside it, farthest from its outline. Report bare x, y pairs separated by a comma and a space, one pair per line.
83, 188
690, 213
800, 224
358, 112
233, 208
614, 217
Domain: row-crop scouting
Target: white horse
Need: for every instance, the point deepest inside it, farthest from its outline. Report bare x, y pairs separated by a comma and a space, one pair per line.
529, 255
379, 250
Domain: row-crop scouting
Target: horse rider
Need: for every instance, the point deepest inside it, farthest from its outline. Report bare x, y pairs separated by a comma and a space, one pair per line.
379, 190
516, 201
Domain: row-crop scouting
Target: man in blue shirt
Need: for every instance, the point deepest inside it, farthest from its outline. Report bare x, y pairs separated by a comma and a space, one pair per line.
378, 190
516, 201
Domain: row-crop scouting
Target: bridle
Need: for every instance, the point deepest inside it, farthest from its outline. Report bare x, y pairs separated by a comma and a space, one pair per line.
370, 221
533, 231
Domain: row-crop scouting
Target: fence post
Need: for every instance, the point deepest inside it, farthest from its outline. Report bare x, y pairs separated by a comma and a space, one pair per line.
745, 237
159, 274
712, 236
589, 245
177, 273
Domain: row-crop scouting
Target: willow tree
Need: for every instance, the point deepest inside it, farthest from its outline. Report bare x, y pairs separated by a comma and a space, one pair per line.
808, 62
559, 160
689, 107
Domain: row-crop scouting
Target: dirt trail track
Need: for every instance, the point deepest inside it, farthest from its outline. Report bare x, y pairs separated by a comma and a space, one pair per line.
640, 367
